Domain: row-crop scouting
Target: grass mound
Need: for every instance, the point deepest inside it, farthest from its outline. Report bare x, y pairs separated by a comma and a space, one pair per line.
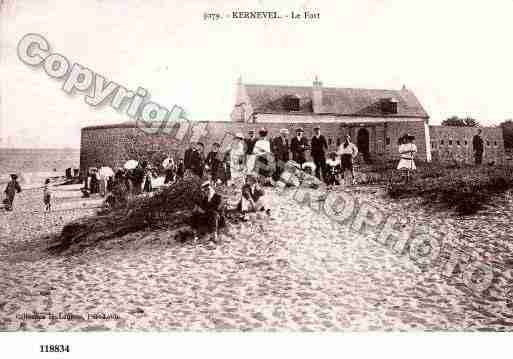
465, 190
170, 207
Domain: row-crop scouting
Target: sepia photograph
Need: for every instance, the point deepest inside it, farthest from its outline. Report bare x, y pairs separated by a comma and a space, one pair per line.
255, 166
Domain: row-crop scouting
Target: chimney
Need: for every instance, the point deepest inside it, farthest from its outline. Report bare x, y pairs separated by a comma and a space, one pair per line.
317, 95
240, 111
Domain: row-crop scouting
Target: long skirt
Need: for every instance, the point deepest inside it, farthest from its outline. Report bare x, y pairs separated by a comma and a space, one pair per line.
406, 164
346, 161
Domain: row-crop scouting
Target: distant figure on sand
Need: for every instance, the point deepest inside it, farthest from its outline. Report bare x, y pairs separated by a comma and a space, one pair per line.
12, 188
207, 215
478, 147
407, 151
47, 196
347, 152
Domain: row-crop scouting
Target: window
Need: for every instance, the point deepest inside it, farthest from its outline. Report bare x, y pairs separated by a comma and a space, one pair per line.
488, 143
442, 142
338, 142
458, 143
495, 143
388, 106
466, 143
433, 144
292, 103
330, 141
450, 142
387, 141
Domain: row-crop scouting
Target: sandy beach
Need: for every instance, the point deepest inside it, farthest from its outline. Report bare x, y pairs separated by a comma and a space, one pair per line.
298, 271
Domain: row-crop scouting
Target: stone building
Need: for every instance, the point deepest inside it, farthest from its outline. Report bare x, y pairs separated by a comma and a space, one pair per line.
375, 119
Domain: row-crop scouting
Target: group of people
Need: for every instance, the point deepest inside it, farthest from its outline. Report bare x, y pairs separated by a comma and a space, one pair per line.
13, 187
281, 149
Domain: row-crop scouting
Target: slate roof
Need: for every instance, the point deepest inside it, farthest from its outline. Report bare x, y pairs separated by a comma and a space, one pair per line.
336, 101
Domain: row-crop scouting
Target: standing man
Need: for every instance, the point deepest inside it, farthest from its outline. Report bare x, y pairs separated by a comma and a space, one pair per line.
12, 188
198, 160
214, 162
478, 147
319, 145
280, 150
298, 147
188, 155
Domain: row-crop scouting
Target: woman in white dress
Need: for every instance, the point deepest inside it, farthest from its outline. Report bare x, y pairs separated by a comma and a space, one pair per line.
347, 152
237, 158
407, 151
263, 157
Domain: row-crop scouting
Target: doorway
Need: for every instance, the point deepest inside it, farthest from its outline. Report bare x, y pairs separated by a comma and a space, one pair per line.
362, 141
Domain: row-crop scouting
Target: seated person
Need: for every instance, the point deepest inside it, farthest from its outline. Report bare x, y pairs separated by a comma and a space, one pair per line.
253, 199
208, 214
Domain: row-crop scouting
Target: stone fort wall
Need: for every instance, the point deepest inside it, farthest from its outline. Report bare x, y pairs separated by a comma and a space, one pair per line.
454, 144
113, 145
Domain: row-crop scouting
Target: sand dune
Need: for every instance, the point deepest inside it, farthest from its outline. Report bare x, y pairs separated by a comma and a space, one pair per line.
299, 271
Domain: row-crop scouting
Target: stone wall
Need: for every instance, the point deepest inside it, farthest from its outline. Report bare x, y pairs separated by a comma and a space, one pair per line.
454, 144
112, 145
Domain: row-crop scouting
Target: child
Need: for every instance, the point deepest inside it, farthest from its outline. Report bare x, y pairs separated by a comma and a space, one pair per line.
333, 170
47, 196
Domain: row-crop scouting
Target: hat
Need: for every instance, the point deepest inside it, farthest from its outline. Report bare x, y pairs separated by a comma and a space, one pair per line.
239, 135
205, 184
285, 131
262, 131
317, 128
299, 129
408, 136
14, 176
251, 131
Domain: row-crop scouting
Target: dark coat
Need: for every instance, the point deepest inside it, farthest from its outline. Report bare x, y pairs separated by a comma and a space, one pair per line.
12, 188
215, 205
197, 163
298, 149
319, 145
250, 145
280, 149
477, 144
187, 158
213, 161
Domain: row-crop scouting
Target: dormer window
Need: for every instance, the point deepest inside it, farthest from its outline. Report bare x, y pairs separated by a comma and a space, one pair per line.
388, 106
292, 103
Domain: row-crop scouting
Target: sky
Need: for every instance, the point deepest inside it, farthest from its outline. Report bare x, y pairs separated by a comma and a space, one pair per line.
456, 56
